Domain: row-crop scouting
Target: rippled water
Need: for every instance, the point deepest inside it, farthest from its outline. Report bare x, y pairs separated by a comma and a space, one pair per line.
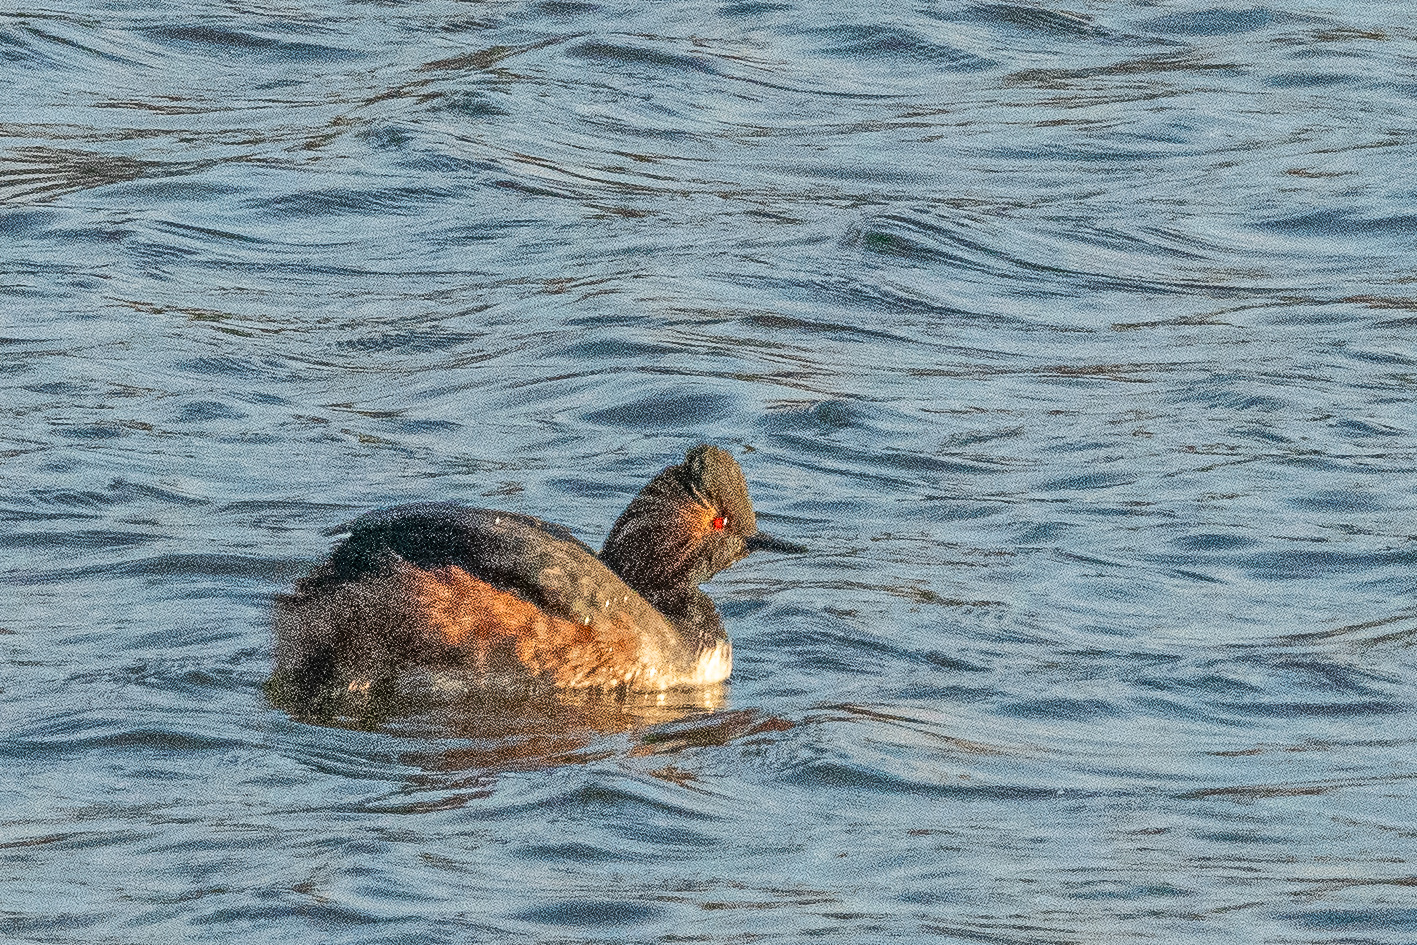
1077, 343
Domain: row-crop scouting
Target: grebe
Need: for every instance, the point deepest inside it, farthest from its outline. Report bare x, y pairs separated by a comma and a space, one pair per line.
495, 596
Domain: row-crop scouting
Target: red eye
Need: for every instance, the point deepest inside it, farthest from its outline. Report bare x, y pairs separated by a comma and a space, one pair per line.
720, 523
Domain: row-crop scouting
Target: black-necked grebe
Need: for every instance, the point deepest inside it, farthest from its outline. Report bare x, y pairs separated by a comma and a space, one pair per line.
494, 594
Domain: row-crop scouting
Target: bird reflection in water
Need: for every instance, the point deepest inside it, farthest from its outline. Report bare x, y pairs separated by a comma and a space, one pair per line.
498, 731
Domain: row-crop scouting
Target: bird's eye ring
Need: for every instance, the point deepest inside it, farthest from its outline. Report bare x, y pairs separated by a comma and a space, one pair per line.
720, 523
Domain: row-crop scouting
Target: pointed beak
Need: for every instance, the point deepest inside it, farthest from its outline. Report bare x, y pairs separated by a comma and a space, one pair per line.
761, 542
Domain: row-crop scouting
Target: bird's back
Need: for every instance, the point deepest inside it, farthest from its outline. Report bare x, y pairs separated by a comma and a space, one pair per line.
491, 593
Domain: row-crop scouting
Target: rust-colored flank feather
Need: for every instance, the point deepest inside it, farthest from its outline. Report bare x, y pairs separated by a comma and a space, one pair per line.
499, 597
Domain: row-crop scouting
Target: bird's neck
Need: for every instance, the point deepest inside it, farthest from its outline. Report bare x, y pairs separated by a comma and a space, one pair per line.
692, 612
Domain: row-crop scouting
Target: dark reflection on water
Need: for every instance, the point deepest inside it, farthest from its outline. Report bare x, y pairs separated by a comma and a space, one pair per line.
1075, 342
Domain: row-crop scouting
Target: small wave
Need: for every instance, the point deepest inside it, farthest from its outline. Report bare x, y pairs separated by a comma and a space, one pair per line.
411, 340
596, 913
895, 43
1254, 792
1055, 258
857, 777
168, 566
664, 410
1218, 21
1342, 223
618, 54
1298, 564
335, 201
1035, 20
221, 42
45, 172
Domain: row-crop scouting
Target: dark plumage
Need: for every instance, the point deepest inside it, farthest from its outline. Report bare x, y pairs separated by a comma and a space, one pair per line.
495, 595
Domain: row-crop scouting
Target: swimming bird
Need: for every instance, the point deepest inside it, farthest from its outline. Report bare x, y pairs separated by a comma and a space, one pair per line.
497, 596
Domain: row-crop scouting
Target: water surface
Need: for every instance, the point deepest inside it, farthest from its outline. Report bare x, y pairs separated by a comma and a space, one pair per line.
1076, 342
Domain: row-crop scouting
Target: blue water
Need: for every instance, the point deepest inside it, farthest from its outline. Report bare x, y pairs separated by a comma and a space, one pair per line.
1076, 342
